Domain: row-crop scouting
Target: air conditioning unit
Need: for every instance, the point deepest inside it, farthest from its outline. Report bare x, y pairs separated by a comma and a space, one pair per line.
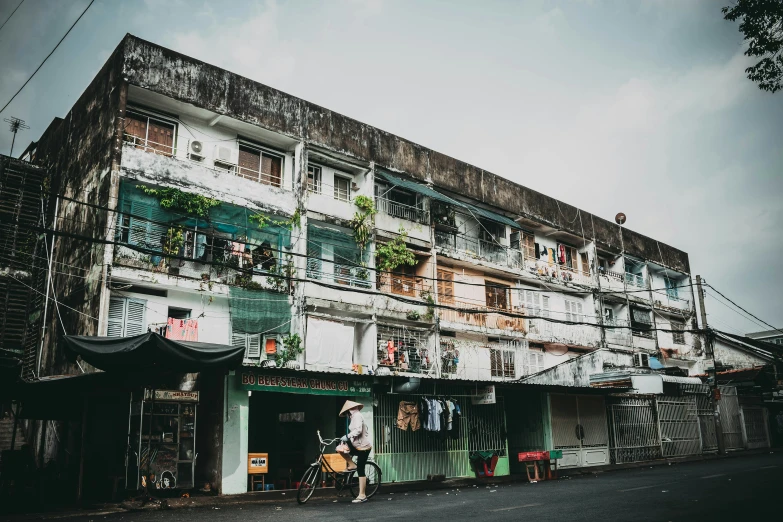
641, 360
226, 155
196, 151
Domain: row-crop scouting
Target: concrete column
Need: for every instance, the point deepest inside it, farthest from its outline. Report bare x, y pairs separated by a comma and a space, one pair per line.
235, 423
299, 244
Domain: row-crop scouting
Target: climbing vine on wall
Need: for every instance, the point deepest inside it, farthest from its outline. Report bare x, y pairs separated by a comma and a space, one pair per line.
389, 256
363, 221
177, 200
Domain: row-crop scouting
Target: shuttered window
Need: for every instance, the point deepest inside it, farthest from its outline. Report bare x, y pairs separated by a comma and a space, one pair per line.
445, 286
573, 311
497, 295
529, 245
534, 362
678, 334
250, 342
149, 133
536, 303
502, 363
126, 317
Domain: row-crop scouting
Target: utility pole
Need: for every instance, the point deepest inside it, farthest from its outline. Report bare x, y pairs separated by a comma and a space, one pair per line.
709, 350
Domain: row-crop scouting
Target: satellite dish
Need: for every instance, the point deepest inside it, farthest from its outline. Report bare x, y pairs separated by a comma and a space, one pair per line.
619, 218
196, 146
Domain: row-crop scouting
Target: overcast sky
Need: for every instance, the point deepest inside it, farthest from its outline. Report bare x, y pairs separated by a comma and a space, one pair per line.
637, 106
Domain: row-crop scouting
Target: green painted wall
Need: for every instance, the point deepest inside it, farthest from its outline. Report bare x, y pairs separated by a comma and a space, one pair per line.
235, 421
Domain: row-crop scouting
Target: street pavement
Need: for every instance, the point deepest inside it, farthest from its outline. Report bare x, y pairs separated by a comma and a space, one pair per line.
742, 488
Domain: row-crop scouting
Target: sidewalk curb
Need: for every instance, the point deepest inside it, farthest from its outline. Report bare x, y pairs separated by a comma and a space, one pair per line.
271, 497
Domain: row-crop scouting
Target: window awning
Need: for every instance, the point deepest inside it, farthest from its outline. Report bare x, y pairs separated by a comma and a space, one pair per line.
151, 351
433, 194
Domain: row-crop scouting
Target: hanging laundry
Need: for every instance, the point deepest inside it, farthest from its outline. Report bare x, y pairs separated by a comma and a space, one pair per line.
455, 423
551, 253
408, 415
424, 413
561, 254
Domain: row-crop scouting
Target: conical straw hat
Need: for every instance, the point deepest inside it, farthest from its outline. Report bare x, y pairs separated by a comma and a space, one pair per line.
350, 405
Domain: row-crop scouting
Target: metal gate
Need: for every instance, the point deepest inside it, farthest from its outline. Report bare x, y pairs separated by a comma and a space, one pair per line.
633, 430
755, 423
412, 455
709, 437
679, 425
730, 418
579, 429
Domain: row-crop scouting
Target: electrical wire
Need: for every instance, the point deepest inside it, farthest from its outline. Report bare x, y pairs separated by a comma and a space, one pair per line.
11, 15
47, 57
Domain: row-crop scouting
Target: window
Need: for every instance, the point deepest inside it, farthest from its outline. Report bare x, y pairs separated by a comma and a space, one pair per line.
529, 245
608, 316
502, 363
179, 313
250, 342
498, 296
671, 287
342, 188
126, 317
445, 286
536, 303
403, 281
260, 166
571, 257
585, 268
641, 324
314, 179
150, 133
573, 311
534, 362
314, 263
491, 231
678, 333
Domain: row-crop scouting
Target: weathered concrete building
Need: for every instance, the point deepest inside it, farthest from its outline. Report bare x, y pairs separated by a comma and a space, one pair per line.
347, 261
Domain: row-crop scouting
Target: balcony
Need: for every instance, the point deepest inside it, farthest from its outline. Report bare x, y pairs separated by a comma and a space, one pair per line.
352, 276
620, 335
265, 172
402, 211
474, 360
469, 316
404, 285
560, 273
670, 300
475, 248
404, 350
613, 281
572, 334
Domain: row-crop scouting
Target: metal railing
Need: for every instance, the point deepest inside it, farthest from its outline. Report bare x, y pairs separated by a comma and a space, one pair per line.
578, 334
482, 317
402, 211
619, 336
215, 164
562, 273
340, 274
479, 249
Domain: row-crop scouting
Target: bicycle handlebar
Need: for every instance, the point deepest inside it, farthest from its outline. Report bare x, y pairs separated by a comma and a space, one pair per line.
326, 442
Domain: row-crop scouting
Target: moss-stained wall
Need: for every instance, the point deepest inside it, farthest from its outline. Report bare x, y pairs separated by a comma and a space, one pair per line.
169, 73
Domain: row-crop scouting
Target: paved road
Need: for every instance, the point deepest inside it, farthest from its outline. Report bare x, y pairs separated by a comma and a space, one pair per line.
734, 489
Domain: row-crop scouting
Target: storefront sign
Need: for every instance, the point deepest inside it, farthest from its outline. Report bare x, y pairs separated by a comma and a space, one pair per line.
257, 463
171, 395
484, 395
313, 386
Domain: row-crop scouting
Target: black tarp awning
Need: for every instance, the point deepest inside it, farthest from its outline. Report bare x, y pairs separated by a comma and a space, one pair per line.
151, 351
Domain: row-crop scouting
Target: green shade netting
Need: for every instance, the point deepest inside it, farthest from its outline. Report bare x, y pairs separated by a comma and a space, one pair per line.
259, 311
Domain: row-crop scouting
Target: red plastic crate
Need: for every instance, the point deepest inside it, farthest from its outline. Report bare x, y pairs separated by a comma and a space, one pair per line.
527, 456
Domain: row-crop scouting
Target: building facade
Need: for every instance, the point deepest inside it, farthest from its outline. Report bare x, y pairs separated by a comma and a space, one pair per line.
348, 262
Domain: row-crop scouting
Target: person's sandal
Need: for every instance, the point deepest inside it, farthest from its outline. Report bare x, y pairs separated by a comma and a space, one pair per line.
359, 500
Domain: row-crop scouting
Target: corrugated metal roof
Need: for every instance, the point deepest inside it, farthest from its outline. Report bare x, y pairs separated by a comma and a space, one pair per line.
681, 380
430, 193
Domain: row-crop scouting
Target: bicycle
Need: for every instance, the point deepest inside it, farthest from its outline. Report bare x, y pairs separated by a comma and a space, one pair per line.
314, 475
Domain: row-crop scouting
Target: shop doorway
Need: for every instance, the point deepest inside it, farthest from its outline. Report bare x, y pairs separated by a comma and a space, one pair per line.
579, 428
284, 425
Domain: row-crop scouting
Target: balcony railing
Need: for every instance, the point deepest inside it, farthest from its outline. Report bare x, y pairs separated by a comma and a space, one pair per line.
670, 300
482, 317
612, 280
340, 274
562, 273
618, 336
578, 334
636, 280
479, 249
215, 164
402, 211
408, 286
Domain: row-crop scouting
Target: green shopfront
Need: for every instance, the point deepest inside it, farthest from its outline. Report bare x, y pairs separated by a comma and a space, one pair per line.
277, 413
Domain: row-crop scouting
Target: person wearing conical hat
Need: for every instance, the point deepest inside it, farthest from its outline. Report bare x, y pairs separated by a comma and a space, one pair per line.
357, 442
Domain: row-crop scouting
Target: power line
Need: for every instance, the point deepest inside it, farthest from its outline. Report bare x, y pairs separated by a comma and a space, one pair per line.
744, 310
11, 15
47, 57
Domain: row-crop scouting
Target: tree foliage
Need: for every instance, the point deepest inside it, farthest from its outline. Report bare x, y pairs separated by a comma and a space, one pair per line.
761, 24
389, 256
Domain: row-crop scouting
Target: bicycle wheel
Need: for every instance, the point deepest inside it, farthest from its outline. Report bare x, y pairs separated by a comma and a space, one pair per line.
373, 473
308, 484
